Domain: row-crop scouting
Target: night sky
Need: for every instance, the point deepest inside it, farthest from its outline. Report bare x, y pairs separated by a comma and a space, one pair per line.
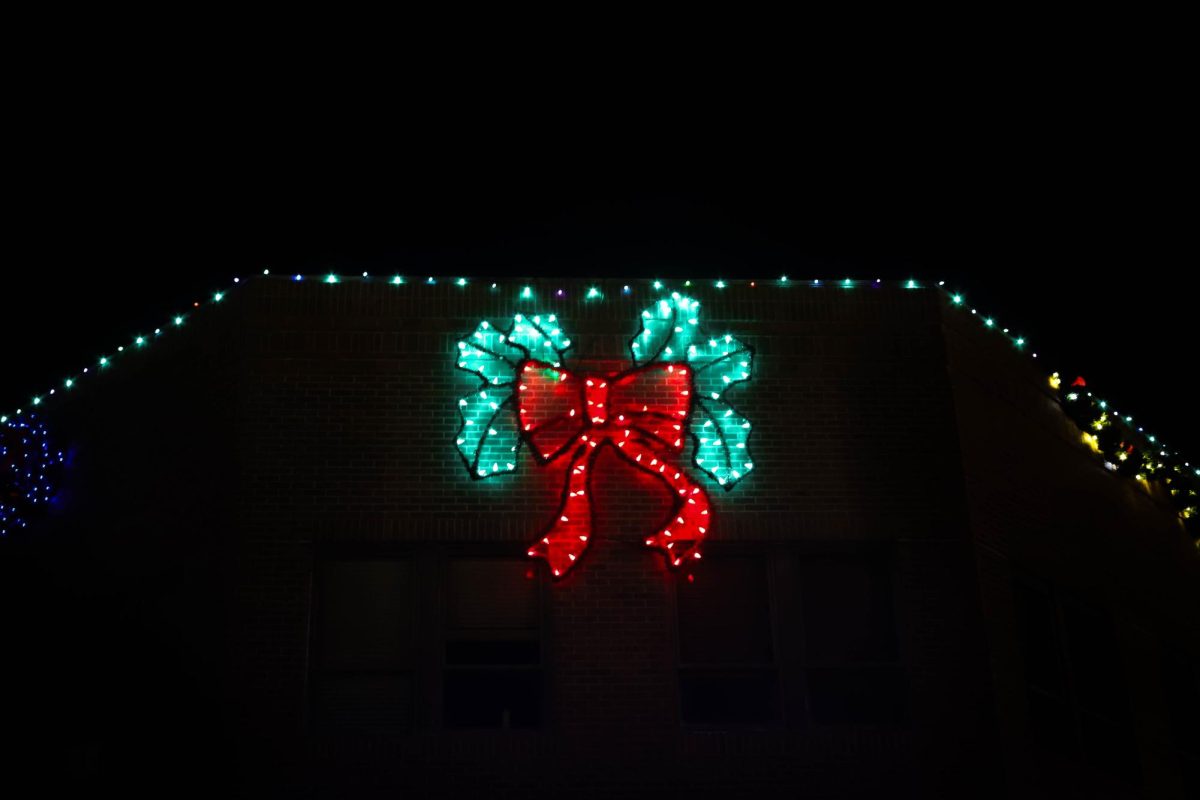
1079, 245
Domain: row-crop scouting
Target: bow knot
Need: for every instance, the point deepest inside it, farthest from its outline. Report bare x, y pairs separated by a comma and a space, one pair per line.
641, 413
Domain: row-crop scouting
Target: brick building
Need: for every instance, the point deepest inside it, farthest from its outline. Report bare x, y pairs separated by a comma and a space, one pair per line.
268, 557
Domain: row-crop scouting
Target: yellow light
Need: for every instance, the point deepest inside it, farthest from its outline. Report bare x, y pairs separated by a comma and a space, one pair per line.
1055, 381
1091, 441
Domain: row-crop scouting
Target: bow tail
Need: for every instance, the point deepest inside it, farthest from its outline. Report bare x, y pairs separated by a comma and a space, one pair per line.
680, 535
566, 540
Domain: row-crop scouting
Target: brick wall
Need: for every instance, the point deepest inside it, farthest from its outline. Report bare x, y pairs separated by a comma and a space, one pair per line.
299, 417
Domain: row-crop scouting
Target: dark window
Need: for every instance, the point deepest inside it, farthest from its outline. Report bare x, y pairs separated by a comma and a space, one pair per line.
728, 672
1181, 690
1101, 695
1051, 710
493, 652
1077, 695
850, 657
364, 636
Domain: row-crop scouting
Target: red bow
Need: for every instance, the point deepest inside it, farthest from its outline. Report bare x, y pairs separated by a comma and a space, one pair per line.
642, 413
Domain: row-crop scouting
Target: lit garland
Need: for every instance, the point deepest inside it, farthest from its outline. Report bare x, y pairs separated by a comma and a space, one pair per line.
28, 472
1127, 450
1179, 477
676, 387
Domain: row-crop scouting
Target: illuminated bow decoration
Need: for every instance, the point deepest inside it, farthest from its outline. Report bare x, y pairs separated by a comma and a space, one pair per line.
677, 385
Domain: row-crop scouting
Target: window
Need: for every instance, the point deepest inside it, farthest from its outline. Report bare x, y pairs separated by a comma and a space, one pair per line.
364, 645
1181, 689
1078, 699
796, 639
492, 674
850, 657
728, 673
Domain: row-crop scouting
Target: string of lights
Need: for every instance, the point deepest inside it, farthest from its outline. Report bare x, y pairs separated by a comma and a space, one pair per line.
1149, 461
28, 472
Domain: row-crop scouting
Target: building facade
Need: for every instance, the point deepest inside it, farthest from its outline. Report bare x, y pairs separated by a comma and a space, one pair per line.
927, 586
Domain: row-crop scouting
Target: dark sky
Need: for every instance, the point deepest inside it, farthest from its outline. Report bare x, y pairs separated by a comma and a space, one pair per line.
1081, 242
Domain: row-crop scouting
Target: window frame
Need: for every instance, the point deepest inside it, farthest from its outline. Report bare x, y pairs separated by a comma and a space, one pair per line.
444, 586
793, 702
715, 552
317, 671
430, 564
1061, 600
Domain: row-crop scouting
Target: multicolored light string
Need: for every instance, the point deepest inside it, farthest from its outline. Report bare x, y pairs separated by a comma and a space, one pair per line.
1178, 477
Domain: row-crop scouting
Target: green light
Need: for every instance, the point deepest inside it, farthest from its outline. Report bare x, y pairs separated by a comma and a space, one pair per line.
720, 284
141, 340
783, 278
847, 284
991, 323
461, 281
397, 281
37, 401
911, 285
331, 278
3, 420
592, 293
217, 297
68, 383
104, 362
957, 299
179, 320
1020, 341
658, 284
527, 293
